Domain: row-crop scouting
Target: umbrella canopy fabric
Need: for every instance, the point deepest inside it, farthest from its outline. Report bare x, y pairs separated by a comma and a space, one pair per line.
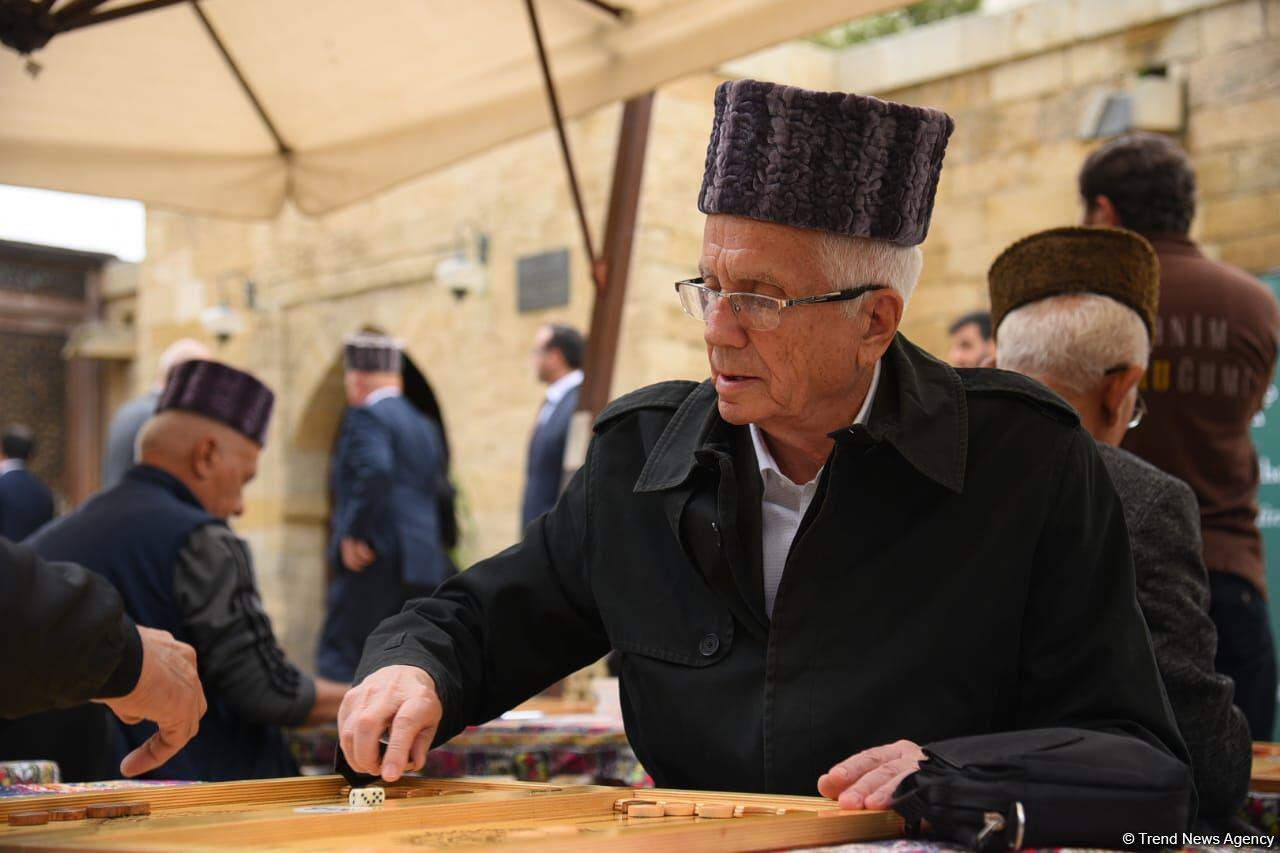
355, 96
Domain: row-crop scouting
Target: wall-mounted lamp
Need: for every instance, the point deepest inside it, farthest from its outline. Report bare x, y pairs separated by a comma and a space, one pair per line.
222, 322
466, 270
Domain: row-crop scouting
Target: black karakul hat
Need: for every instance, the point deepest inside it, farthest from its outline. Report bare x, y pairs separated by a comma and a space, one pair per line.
221, 393
838, 162
372, 352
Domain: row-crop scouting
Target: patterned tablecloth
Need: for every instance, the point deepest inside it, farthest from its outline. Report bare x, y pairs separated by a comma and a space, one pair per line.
26, 789
28, 773
562, 748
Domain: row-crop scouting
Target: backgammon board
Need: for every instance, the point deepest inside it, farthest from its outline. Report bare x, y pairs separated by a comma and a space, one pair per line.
429, 814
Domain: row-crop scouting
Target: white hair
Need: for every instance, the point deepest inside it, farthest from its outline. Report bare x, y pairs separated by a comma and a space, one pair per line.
1073, 339
850, 261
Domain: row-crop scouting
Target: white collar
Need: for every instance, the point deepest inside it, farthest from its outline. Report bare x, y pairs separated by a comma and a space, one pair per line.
765, 460
556, 390
10, 465
380, 394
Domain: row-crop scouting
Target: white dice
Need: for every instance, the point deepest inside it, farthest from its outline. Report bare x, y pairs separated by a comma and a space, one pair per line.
365, 797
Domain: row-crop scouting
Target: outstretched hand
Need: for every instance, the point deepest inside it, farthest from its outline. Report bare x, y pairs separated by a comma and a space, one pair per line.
867, 780
168, 692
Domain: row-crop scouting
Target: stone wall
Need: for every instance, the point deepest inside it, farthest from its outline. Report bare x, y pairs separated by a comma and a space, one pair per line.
1016, 82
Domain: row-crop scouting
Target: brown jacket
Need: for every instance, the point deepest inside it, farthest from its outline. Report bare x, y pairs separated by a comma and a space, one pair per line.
1213, 351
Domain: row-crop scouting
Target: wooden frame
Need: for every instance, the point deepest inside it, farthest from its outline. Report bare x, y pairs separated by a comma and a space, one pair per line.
294, 813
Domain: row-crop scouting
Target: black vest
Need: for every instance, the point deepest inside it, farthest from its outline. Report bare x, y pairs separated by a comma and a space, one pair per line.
132, 535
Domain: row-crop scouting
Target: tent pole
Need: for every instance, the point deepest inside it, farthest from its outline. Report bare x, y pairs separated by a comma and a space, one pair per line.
556, 115
606, 312
619, 235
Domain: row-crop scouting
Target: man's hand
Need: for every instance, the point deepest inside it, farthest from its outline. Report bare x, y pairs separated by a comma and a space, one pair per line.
356, 555
867, 780
402, 698
168, 692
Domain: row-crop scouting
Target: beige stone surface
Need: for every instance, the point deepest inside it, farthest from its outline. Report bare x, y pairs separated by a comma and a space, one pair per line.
1016, 84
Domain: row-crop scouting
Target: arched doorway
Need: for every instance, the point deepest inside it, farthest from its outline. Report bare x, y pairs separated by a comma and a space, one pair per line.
307, 499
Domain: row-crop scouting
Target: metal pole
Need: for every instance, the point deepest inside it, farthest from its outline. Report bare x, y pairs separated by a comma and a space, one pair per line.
619, 235
592, 261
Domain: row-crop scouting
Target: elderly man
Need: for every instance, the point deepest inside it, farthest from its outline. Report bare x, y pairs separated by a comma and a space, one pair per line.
388, 474
161, 538
835, 549
1075, 308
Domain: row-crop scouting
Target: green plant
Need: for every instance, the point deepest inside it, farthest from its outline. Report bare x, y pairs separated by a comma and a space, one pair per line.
888, 23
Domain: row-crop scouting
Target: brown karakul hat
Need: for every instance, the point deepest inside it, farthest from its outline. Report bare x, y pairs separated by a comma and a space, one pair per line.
832, 161
372, 352
221, 393
1108, 261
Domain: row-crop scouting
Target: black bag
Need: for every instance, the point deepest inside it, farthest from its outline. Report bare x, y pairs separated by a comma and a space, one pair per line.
1048, 788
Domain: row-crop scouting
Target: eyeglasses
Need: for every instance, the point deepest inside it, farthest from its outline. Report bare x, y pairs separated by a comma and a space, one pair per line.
754, 311
1139, 404
1139, 411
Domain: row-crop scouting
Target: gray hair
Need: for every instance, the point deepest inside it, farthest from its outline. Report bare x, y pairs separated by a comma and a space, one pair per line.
1073, 339
850, 261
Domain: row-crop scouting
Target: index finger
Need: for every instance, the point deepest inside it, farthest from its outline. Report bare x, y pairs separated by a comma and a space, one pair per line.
418, 717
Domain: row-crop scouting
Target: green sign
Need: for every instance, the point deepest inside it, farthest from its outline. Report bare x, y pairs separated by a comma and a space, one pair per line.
1266, 437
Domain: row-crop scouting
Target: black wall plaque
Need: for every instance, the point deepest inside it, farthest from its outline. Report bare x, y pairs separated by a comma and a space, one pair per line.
542, 280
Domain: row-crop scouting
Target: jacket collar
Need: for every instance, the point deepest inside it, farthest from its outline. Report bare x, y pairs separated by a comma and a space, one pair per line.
920, 410
164, 480
1171, 243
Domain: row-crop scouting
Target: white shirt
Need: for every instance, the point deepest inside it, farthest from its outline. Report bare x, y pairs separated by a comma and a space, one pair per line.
10, 465
380, 394
555, 393
783, 503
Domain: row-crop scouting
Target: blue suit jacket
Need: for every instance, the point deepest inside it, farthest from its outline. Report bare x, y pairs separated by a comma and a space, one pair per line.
26, 504
387, 477
545, 471
388, 472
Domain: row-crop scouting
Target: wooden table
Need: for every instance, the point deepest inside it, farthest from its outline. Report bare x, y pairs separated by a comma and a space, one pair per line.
311, 813
1265, 776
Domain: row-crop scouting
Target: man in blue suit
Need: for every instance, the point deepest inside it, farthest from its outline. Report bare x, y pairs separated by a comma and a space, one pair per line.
557, 359
388, 474
26, 504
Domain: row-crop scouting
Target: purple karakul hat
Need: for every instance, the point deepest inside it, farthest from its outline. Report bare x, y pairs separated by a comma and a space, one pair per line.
221, 393
832, 161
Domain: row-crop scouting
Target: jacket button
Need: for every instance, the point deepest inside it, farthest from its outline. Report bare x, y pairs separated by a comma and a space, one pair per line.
709, 646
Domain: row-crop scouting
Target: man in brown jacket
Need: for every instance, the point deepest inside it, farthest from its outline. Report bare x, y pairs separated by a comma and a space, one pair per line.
1213, 351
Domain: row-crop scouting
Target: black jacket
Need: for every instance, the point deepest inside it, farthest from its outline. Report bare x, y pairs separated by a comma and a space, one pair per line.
964, 568
26, 504
66, 640
65, 635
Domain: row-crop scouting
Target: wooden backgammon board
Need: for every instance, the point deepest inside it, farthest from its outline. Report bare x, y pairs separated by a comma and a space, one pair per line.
429, 814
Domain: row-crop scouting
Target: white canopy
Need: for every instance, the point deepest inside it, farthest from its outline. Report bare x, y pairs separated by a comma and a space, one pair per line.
364, 94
